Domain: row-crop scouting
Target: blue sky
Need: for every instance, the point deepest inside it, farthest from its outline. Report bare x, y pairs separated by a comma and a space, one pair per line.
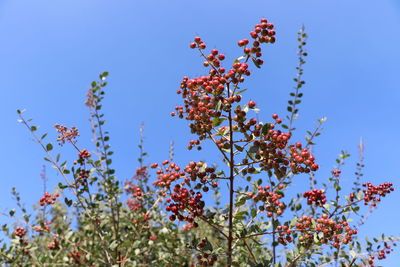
52, 50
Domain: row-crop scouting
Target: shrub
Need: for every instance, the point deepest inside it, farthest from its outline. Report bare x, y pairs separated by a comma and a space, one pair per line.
265, 221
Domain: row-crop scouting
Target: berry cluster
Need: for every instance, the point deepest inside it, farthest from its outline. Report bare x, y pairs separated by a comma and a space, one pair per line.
270, 149
277, 139
83, 175
54, 244
194, 171
299, 156
83, 154
20, 232
338, 232
271, 152
141, 173
194, 143
246, 126
135, 191
315, 196
135, 202
203, 100
336, 173
205, 259
384, 251
333, 232
285, 234
76, 257
263, 33
373, 193
48, 199
183, 199
66, 135
381, 254
271, 199
206, 97
165, 177
44, 227
198, 43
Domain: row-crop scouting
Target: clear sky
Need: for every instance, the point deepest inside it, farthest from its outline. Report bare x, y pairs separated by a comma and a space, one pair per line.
51, 51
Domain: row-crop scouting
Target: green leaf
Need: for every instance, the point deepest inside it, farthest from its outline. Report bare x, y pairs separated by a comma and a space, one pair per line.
239, 59
218, 107
240, 148
113, 245
266, 128
293, 222
68, 202
253, 213
12, 212
217, 121
61, 186
241, 91
49, 147
208, 246
323, 120
241, 201
241, 215
337, 186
